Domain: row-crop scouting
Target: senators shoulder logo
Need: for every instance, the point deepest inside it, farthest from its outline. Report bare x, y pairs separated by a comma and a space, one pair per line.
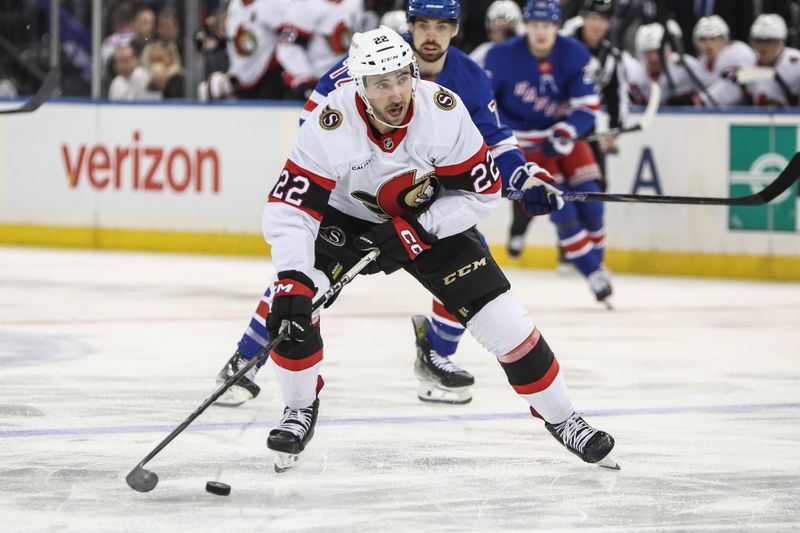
444, 100
330, 118
401, 195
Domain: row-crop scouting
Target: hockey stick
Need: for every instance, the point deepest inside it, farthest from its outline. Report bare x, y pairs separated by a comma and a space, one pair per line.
647, 117
46, 90
142, 480
785, 180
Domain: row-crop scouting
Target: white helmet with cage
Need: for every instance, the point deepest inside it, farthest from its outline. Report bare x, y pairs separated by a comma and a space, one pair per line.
376, 52
768, 27
709, 28
506, 10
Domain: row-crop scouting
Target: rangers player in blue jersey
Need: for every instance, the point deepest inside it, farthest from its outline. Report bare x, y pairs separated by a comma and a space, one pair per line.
432, 23
545, 92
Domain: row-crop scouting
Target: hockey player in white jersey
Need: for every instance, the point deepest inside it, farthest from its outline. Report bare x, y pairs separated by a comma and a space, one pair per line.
395, 163
676, 82
503, 20
252, 29
721, 59
779, 66
315, 35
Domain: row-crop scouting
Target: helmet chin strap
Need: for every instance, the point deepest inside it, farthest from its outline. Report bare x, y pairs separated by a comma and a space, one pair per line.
371, 112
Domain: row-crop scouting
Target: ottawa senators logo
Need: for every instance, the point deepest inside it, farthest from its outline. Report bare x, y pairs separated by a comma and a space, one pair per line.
403, 194
444, 100
330, 119
245, 42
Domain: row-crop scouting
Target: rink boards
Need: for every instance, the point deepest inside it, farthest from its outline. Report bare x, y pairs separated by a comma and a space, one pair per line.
194, 178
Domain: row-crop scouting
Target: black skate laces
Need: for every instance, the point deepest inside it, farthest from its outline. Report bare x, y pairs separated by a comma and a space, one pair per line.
296, 421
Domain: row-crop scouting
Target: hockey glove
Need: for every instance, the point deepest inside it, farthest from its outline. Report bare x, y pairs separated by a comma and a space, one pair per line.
561, 140
291, 304
400, 240
535, 189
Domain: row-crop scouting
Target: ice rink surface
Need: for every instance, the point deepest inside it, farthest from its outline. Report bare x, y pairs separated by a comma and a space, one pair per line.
103, 354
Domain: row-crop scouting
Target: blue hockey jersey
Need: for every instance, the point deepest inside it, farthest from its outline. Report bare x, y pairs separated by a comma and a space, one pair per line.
464, 77
533, 95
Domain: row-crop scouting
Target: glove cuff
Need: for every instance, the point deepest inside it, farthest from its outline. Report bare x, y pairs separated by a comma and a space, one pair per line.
294, 283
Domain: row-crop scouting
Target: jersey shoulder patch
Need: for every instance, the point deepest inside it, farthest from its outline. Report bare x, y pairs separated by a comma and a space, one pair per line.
444, 99
330, 118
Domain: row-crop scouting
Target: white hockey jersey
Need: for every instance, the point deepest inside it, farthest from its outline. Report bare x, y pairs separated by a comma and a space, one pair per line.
784, 89
719, 76
315, 35
252, 28
438, 169
678, 83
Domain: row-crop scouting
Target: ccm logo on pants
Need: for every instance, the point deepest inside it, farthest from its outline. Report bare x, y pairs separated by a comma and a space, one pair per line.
463, 271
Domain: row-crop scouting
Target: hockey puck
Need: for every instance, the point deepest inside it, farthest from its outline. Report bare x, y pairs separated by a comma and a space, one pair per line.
220, 489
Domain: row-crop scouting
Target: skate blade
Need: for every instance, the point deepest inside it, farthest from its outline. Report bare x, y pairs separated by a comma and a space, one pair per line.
608, 304
609, 462
234, 397
285, 461
433, 393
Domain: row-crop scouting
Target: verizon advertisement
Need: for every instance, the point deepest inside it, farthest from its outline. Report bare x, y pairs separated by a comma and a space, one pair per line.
180, 168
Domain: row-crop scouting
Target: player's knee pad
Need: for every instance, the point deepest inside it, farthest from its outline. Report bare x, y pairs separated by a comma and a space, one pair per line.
501, 325
590, 213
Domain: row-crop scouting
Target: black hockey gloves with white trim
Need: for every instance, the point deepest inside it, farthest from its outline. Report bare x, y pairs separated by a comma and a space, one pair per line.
400, 240
291, 303
535, 189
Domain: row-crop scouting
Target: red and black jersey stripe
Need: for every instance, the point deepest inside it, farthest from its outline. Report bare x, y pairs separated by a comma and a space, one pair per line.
302, 189
477, 174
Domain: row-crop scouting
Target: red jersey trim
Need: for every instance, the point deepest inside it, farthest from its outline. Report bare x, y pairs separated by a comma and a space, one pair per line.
466, 166
325, 183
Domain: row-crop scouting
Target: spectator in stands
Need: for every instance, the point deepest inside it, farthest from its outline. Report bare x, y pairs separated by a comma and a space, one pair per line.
144, 29
132, 80
121, 29
168, 28
163, 62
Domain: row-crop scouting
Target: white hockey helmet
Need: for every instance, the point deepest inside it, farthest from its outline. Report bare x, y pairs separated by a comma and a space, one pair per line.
507, 10
395, 20
376, 52
710, 27
649, 37
768, 27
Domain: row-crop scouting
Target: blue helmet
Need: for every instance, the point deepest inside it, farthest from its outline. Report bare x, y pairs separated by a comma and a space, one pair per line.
546, 10
435, 9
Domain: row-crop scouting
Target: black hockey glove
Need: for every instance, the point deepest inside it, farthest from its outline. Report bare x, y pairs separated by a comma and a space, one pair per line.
292, 303
400, 240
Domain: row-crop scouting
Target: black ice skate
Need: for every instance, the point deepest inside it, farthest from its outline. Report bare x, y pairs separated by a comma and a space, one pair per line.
245, 387
591, 445
600, 282
440, 380
292, 435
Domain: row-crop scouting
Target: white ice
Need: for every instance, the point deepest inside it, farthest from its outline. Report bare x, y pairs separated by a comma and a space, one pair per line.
103, 354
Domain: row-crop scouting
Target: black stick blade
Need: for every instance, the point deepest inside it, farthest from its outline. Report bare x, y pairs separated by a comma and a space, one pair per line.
785, 180
142, 480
